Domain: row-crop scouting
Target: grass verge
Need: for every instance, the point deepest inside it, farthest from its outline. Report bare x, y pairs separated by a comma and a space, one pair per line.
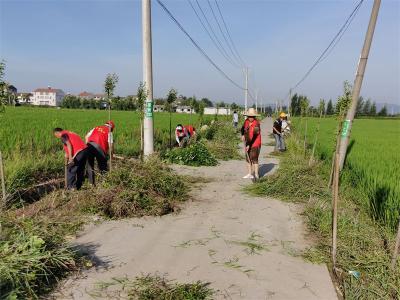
152, 287
34, 251
363, 244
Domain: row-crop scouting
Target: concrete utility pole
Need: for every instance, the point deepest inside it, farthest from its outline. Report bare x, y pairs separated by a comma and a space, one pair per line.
148, 131
347, 124
289, 102
256, 100
246, 90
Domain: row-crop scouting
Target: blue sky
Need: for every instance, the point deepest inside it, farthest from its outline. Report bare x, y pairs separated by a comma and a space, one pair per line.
73, 44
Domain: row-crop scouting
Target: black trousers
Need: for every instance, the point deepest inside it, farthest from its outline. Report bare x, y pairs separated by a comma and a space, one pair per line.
98, 154
76, 170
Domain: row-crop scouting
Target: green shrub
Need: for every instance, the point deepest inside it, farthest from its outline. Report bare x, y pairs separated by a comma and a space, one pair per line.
195, 154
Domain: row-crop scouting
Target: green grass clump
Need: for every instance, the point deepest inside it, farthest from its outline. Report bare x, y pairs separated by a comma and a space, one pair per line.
195, 154
31, 258
224, 142
155, 288
33, 249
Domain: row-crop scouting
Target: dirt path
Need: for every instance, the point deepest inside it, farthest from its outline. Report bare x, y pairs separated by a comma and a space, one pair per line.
212, 240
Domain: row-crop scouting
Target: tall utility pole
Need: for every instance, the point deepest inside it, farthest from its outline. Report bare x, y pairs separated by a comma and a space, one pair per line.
148, 131
256, 100
347, 124
246, 89
289, 102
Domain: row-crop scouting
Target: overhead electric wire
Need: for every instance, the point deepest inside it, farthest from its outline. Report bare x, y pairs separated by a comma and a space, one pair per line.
222, 32
331, 45
215, 42
229, 35
215, 35
197, 46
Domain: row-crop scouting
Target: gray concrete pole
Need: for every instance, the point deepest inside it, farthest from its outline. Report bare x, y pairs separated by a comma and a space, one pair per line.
347, 124
148, 131
246, 91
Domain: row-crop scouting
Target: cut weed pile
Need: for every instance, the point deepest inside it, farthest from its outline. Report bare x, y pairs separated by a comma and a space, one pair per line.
152, 288
33, 242
363, 244
218, 141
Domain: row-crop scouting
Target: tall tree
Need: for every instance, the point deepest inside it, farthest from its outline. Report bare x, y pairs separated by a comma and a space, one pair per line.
367, 107
372, 111
383, 112
360, 106
141, 99
304, 104
344, 101
321, 107
171, 98
330, 110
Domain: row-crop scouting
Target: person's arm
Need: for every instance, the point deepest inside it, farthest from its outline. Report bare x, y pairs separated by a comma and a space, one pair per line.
242, 133
111, 143
88, 135
67, 143
177, 138
275, 130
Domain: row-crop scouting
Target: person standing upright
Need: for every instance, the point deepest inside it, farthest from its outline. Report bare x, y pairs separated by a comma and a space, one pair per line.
278, 133
235, 119
99, 141
251, 135
75, 154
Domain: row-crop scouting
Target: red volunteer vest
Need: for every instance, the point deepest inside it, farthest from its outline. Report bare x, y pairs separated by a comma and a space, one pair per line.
100, 137
190, 129
251, 126
76, 142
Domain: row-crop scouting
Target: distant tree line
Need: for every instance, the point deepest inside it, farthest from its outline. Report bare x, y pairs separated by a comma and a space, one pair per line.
300, 105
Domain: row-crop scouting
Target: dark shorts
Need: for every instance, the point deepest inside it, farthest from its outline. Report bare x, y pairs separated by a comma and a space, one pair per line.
254, 153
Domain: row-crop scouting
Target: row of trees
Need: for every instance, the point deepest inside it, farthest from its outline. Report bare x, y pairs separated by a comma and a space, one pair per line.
300, 105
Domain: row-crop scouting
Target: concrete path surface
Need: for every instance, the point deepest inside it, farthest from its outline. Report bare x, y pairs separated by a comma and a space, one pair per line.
246, 247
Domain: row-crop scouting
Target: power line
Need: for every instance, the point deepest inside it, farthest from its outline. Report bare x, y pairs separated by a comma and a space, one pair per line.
331, 44
215, 35
229, 35
221, 50
220, 29
197, 46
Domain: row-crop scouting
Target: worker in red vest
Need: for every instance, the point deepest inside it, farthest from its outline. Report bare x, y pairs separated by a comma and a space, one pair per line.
76, 155
251, 135
99, 141
183, 134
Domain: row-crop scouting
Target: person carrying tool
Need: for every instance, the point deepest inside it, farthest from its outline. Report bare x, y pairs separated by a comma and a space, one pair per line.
75, 156
100, 145
183, 134
278, 133
251, 136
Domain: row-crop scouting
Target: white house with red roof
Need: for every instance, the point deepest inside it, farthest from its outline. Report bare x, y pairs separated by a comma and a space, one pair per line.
47, 96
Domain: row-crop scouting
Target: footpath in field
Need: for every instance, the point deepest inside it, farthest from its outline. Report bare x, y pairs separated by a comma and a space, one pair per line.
246, 247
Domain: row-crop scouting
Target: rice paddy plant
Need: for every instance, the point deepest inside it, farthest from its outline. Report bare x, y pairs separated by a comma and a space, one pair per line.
31, 153
373, 163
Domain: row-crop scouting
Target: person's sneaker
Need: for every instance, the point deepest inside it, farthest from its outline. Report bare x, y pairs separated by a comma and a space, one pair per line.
248, 176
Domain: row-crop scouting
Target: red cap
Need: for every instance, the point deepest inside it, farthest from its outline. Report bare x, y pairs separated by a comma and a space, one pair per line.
110, 123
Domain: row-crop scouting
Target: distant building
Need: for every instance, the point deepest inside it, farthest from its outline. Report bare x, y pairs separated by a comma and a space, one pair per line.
184, 109
47, 96
90, 96
25, 98
217, 111
158, 108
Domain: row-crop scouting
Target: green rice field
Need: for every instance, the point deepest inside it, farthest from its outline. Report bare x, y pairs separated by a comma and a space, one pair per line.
32, 154
373, 161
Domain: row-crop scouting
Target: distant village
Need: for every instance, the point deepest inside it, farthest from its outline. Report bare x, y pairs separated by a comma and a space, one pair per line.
54, 97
